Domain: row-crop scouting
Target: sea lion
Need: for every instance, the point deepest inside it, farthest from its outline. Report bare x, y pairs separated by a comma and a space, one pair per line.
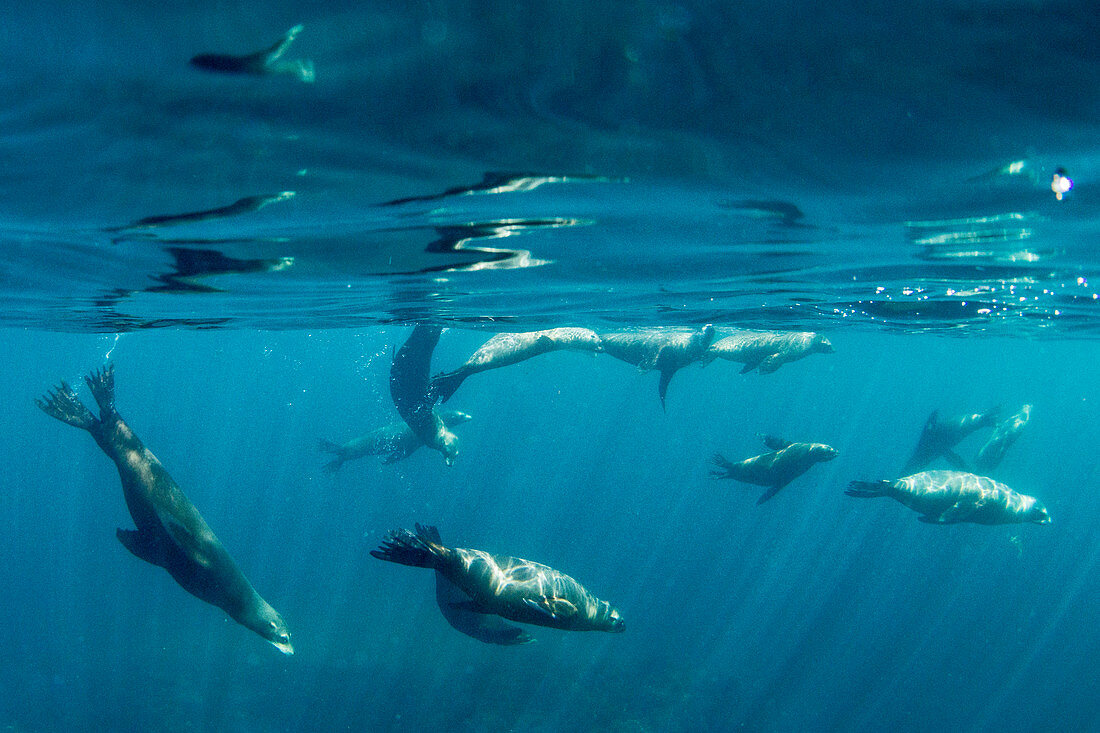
245, 205
767, 350
396, 441
775, 470
409, 389
516, 589
939, 437
505, 349
262, 63
660, 349
1004, 435
170, 531
948, 497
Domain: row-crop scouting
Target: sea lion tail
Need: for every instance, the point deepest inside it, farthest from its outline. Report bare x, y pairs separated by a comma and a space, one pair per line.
444, 385
722, 467
327, 446
420, 550
63, 404
869, 489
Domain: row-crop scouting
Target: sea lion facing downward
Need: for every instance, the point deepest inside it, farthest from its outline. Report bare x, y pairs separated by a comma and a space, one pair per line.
665, 351
170, 531
767, 350
396, 441
519, 590
1004, 435
940, 436
262, 63
505, 349
409, 389
774, 470
947, 497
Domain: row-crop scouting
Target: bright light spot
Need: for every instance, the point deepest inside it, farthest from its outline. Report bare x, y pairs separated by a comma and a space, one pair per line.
1061, 184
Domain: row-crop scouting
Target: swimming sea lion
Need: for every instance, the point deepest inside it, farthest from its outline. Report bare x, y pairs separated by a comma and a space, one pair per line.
409, 389
170, 531
947, 497
505, 349
1004, 435
261, 63
659, 349
767, 350
518, 590
774, 470
245, 205
396, 441
939, 437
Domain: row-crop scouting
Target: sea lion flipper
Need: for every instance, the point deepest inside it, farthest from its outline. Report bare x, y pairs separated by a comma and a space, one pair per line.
662, 386
553, 607
768, 494
191, 546
142, 546
770, 364
101, 383
63, 404
774, 442
957, 462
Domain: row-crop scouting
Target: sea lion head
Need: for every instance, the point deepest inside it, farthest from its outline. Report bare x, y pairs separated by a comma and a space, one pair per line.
821, 344
608, 618
1037, 513
267, 622
823, 452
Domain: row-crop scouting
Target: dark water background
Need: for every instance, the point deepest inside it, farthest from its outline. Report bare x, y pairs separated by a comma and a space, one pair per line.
845, 169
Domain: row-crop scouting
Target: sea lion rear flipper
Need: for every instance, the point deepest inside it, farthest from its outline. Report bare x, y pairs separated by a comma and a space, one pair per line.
552, 606
444, 385
101, 383
63, 404
143, 546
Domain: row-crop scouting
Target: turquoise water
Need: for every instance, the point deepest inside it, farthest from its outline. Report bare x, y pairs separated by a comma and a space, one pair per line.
881, 176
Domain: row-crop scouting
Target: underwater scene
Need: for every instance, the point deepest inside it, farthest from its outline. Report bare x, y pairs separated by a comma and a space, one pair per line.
486, 366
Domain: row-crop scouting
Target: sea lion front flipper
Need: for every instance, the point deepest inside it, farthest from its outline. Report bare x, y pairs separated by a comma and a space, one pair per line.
662, 386
956, 461
191, 546
774, 442
768, 494
751, 364
552, 606
142, 546
952, 515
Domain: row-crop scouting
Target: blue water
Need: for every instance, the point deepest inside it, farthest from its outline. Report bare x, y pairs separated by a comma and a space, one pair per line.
880, 175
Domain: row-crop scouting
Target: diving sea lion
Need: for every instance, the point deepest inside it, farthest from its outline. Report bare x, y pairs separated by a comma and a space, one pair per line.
939, 437
505, 349
409, 390
261, 63
774, 470
1004, 435
767, 350
396, 441
518, 590
170, 531
659, 349
947, 497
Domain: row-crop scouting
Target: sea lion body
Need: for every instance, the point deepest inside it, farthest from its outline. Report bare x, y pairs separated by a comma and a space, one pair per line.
1004, 435
510, 587
262, 63
396, 441
767, 350
776, 469
659, 349
409, 388
948, 497
940, 436
170, 532
505, 349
